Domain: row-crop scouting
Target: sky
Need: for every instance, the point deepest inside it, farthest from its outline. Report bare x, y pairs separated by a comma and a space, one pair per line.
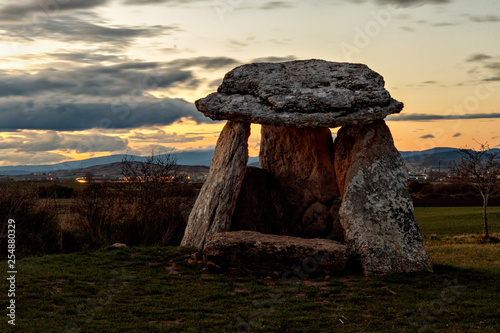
90, 78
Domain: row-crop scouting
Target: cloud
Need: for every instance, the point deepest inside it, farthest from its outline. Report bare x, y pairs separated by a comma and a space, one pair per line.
103, 81
160, 136
33, 142
492, 79
456, 135
429, 82
407, 3
478, 57
431, 117
71, 116
15, 157
272, 5
444, 24
20, 10
73, 29
211, 63
275, 59
407, 29
483, 19
428, 136
155, 2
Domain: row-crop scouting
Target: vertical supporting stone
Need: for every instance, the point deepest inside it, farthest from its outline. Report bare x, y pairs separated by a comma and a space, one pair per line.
377, 211
301, 159
215, 204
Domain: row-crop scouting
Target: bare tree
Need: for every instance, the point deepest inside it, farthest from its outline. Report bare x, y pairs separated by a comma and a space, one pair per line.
481, 169
152, 189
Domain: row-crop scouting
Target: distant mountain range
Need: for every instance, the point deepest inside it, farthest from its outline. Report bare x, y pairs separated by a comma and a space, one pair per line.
187, 158
416, 160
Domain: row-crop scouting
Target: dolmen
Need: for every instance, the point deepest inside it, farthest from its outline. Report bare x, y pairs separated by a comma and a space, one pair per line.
325, 204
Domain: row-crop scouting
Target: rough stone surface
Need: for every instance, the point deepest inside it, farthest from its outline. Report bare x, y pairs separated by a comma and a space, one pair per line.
301, 159
260, 204
307, 93
377, 211
249, 252
214, 207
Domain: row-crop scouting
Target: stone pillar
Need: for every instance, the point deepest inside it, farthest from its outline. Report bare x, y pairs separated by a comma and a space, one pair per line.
301, 159
215, 204
377, 211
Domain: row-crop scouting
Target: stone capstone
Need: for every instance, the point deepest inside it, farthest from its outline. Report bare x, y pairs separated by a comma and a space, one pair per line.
213, 209
254, 253
306, 93
377, 211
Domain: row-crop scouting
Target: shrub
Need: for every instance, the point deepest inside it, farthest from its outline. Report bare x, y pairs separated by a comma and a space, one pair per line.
37, 230
55, 191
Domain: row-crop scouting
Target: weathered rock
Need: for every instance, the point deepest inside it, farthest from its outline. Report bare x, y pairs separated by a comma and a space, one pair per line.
301, 159
254, 253
377, 211
214, 207
260, 204
307, 93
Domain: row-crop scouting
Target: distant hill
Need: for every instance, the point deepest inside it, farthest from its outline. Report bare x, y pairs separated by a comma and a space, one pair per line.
433, 159
108, 165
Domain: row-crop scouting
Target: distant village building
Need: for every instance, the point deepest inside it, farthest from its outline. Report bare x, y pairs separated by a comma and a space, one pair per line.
419, 177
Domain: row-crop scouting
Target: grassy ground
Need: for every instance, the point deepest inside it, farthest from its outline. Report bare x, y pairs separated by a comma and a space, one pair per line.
456, 220
164, 289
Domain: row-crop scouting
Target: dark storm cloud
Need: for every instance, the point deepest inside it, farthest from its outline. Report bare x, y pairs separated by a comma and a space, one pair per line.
60, 116
103, 81
22, 9
113, 96
75, 29
430, 117
47, 141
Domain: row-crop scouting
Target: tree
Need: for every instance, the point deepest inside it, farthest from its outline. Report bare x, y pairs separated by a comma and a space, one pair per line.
481, 169
153, 195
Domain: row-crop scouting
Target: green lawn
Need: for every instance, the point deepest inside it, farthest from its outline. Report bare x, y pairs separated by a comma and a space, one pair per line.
456, 220
165, 289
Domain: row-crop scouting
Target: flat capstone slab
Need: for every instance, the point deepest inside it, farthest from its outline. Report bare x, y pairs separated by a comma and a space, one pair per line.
303, 93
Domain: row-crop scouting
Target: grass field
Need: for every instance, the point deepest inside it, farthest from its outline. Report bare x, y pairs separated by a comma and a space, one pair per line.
165, 289
456, 220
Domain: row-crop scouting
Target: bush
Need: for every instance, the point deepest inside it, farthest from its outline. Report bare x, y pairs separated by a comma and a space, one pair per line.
55, 191
151, 208
37, 230
98, 215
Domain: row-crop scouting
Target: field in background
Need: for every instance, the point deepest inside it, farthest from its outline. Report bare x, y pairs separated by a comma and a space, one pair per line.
456, 220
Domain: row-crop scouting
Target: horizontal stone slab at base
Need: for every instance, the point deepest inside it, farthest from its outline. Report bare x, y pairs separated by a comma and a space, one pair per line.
254, 253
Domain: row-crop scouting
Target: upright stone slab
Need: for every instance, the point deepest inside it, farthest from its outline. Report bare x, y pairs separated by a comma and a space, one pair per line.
301, 159
214, 207
377, 211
